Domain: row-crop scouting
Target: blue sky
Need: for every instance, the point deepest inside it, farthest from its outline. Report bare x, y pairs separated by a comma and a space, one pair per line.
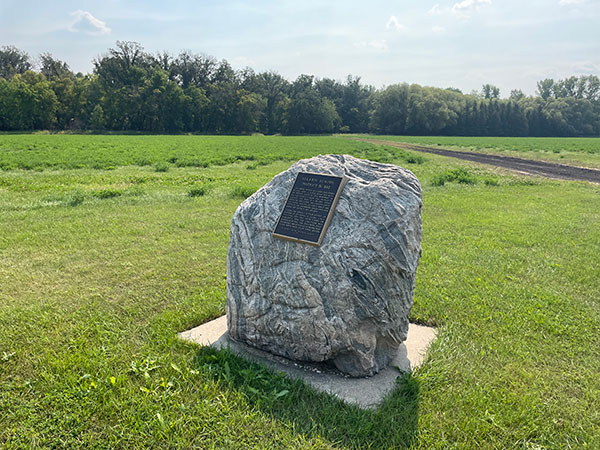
461, 44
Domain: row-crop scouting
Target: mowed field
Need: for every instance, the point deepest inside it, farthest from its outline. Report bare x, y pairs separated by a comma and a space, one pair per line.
582, 152
110, 245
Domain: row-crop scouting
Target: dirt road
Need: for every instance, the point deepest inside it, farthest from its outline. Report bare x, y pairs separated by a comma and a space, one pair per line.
541, 168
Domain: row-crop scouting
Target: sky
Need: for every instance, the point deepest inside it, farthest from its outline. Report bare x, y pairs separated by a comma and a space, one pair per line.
462, 44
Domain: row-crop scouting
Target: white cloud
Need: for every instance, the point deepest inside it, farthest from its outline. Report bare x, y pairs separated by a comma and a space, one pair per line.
466, 7
435, 9
570, 2
394, 24
85, 22
437, 29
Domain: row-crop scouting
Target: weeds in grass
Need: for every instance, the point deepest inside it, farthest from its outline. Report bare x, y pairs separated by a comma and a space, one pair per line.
508, 273
161, 167
256, 380
143, 162
438, 180
75, 198
143, 367
191, 163
102, 165
388, 155
414, 159
197, 191
107, 193
459, 175
524, 181
291, 400
242, 191
7, 355
135, 191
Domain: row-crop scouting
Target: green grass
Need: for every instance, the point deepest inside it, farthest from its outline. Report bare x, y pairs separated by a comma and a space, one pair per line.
52, 152
460, 175
100, 268
583, 152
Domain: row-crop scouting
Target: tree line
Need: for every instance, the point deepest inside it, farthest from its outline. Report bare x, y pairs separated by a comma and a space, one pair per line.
133, 90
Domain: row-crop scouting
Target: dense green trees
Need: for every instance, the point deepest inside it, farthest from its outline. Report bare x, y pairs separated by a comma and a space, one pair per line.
131, 89
585, 87
27, 102
403, 109
309, 111
13, 61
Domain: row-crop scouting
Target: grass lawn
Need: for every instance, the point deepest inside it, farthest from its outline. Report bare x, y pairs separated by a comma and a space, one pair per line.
582, 152
109, 245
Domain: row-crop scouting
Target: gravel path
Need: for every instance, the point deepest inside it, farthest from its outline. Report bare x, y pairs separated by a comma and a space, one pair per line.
541, 168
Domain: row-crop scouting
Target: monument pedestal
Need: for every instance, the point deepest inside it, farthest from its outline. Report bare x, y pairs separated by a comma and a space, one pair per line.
363, 392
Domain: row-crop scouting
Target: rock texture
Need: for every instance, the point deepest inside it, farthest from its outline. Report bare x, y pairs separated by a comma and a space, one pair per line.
347, 301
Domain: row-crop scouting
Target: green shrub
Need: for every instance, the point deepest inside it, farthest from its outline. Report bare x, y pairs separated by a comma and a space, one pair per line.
161, 167
414, 159
107, 193
197, 191
75, 198
243, 191
266, 161
438, 179
460, 175
144, 162
191, 163
26, 165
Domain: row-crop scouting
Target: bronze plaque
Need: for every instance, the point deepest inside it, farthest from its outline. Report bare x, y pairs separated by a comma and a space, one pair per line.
309, 207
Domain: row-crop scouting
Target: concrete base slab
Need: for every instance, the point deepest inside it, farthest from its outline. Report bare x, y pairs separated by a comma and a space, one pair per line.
363, 392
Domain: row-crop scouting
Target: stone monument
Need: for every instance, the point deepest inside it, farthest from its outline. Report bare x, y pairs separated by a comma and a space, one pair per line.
340, 293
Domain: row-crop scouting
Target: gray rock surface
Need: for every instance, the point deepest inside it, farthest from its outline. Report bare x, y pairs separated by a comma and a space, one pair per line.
347, 301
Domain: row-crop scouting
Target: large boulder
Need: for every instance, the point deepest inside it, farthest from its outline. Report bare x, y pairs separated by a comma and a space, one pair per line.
347, 301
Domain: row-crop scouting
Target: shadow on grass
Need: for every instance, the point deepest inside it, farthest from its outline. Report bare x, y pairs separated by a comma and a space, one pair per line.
393, 425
